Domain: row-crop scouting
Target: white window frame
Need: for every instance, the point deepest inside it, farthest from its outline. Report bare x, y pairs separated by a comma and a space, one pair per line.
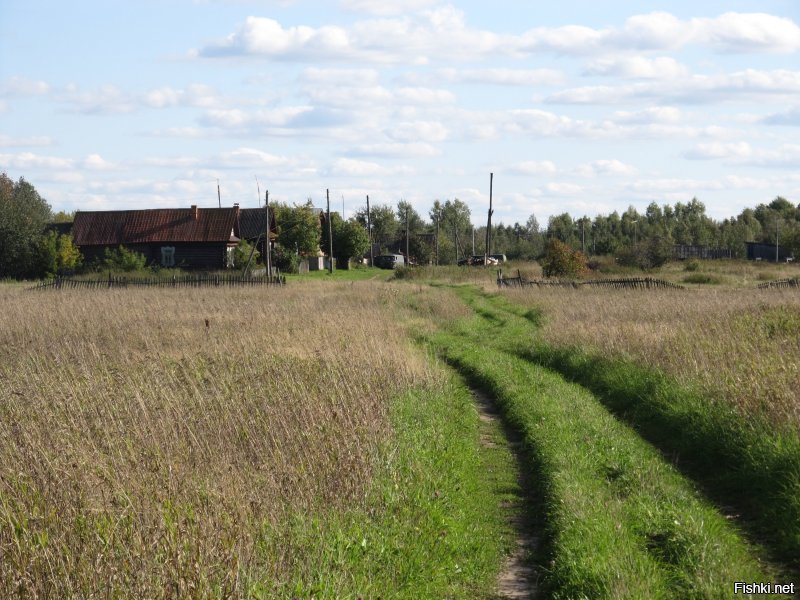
167, 256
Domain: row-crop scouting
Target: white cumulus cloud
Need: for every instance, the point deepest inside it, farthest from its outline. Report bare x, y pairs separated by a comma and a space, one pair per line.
637, 67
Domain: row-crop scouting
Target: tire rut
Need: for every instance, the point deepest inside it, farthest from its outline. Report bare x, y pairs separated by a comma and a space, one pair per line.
520, 575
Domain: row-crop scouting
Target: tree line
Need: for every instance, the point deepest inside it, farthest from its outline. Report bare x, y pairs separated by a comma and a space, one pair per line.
681, 223
28, 249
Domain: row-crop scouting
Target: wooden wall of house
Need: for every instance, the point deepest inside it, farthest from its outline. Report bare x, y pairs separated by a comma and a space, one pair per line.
190, 256
199, 256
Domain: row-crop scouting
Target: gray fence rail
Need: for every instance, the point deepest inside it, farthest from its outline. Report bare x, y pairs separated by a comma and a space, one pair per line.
185, 281
626, 283
792, 282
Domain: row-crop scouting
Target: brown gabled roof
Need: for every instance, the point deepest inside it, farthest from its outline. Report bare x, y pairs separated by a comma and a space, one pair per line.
163, 225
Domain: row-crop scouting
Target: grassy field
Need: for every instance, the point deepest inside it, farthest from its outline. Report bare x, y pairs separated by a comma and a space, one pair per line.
739, 346
308, 440
258, 443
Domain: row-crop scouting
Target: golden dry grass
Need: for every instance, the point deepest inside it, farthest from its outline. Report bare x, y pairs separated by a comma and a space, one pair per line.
740, 345
141, 452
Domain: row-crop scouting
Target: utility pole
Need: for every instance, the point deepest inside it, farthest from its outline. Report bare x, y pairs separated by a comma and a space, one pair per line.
330, 234
436, 240
369, 235
777, 222
488, 249
268, 242
473, 240
408, 261
219, 196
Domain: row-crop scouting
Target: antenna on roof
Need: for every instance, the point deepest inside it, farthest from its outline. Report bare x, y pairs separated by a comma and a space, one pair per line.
219, 197
258, 187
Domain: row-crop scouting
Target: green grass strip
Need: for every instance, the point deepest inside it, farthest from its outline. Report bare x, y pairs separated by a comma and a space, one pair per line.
433, 527
743, 463
624, 523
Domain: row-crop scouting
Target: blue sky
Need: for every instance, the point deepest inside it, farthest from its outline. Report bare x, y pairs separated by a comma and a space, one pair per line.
578, 107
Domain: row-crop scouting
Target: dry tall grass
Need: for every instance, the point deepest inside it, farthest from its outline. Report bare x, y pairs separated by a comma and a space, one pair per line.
149, 438
742, 346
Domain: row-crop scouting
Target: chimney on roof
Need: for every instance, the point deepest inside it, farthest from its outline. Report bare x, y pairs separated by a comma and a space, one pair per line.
195, 212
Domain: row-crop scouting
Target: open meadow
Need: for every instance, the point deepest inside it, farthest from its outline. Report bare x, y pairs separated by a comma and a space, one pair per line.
207, 442
320, 440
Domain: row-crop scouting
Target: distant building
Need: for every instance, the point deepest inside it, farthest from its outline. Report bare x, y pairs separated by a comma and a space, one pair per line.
766, 252
194, 238
684, 251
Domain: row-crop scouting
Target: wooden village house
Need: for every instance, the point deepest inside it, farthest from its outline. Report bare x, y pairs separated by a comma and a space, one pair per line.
193, 238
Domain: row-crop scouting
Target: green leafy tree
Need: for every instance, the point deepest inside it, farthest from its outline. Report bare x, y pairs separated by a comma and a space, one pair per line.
419, 249
63, 217
560, 260
47, 254
298, 228
23, 216
562, 228
57, 254
385, 226
647, 254
456, 220
436, 215
349, 239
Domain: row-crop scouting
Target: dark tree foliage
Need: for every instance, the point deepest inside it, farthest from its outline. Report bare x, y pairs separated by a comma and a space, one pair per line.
385, 226
349, 239
23, 216
298, 228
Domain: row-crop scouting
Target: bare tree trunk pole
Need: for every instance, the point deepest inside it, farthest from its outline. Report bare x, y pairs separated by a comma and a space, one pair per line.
407, 231
330, 234
369, 235
488, 249
268, 244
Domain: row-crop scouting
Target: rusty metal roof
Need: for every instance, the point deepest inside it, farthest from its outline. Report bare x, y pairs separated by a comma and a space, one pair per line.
167, 225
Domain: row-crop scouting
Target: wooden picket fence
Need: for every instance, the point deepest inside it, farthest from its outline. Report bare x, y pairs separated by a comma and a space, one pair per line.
626, 283
792, 282
185, 281
635, 283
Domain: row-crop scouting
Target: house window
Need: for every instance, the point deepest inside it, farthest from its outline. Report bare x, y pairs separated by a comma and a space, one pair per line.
229, 258
168, 256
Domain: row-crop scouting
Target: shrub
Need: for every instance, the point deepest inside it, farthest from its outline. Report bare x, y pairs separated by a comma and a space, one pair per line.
241, 255
285, 260
562, 261
692, 265
647, 254
703, 278
123, 259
